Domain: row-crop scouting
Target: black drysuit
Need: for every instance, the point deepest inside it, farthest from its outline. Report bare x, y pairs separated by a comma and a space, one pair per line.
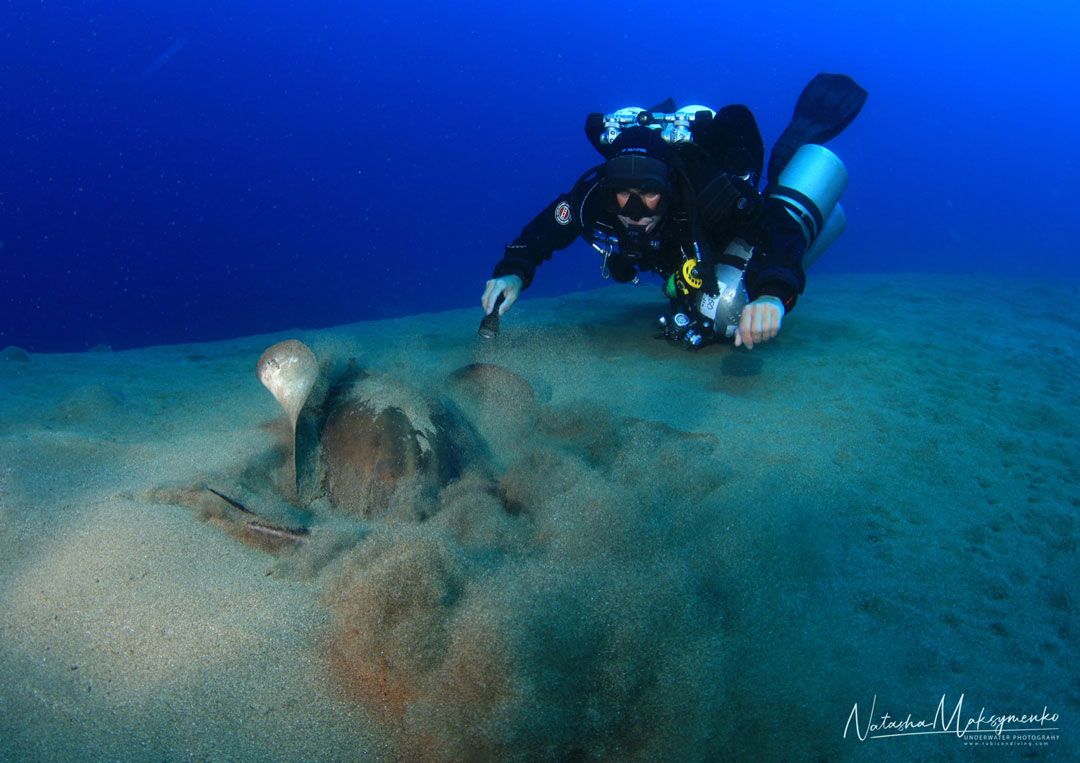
587, 211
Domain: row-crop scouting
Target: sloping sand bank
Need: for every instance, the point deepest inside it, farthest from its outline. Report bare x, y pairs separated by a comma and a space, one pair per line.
666, 556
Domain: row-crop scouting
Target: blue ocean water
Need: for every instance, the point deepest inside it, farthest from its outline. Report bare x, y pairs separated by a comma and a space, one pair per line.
177, 173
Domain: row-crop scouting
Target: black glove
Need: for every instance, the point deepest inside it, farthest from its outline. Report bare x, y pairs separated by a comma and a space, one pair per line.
621, 269
728, 202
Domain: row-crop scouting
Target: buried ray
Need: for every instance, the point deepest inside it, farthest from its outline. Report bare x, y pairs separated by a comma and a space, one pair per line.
480, 550
381, 437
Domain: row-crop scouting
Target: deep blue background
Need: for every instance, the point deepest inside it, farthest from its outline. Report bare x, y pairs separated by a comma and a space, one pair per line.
199, 171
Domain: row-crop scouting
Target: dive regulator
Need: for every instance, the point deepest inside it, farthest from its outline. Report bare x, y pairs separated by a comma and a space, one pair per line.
674, 127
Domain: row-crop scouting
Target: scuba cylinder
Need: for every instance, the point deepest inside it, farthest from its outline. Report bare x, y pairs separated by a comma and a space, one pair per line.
698, 316
810, 187
834, 226
724, 308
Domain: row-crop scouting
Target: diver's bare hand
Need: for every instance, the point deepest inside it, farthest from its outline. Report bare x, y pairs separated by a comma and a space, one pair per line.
760, 321
508, 286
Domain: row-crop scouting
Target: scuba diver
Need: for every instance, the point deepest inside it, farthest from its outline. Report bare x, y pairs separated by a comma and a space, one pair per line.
678, 196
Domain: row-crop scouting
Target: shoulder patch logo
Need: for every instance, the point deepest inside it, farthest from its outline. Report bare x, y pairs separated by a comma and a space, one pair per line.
562, 213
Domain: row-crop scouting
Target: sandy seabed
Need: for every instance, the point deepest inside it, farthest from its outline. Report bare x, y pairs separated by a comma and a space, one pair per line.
666, 556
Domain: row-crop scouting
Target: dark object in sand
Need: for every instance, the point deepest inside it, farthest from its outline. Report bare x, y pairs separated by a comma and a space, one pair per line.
492, 384
14, 354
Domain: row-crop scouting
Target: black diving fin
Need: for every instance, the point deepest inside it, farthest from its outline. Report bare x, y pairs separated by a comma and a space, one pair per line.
828, 104
665, 106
